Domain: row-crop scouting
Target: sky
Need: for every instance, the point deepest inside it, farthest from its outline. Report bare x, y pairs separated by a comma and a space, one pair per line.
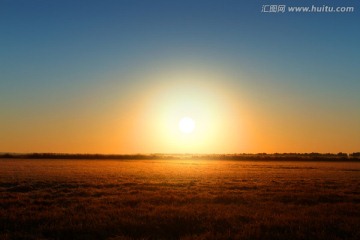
117, 76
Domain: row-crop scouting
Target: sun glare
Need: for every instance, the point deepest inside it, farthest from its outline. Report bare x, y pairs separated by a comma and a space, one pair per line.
186, 125
184, 111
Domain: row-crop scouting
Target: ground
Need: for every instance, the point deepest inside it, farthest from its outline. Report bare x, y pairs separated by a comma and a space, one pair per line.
178, 199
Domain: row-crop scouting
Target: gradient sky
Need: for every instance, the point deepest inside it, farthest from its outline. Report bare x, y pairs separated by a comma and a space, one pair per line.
116, 76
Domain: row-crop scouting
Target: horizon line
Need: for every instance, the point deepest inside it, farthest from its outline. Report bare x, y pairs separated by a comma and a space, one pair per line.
188, 156
186, 153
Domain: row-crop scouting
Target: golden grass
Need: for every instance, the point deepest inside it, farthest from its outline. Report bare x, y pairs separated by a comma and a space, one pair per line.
178, 199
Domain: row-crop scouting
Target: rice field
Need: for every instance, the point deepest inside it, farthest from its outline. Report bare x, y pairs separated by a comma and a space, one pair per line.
178, 199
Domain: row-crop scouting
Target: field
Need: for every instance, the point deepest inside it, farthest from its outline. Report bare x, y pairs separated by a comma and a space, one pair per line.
178, 199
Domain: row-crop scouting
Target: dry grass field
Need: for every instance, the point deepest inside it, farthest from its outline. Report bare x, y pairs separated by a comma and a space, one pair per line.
178, 199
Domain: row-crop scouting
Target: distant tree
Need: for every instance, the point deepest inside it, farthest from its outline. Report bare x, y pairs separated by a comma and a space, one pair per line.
341, 154
355, 154
6, 155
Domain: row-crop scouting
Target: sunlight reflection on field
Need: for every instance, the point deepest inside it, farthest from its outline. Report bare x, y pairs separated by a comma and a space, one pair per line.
174, 170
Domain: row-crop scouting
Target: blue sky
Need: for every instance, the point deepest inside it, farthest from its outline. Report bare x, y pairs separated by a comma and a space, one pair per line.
52, 51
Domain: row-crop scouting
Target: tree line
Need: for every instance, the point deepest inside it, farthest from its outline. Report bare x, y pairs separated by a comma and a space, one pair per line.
242, 156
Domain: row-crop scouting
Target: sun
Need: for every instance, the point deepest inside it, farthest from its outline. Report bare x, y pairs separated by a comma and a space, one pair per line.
186, 125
